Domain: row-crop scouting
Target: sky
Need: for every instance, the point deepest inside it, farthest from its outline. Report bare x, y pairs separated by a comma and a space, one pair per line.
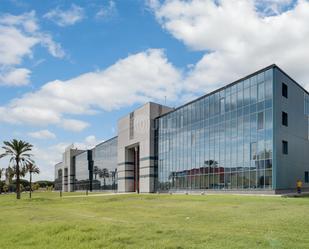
70, 69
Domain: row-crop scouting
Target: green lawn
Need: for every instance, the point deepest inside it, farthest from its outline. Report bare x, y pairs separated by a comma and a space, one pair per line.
153, 221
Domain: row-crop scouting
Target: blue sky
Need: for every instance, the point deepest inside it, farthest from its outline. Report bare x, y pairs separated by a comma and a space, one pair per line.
70, 70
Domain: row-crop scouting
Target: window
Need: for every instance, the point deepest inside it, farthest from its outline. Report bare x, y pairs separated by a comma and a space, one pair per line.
284, 90
247, 96
285, 147
261, 92
253, 151
284, 119
308, 128
222, 105
268, 119
260, 124
192, 138
306, 176
253, 94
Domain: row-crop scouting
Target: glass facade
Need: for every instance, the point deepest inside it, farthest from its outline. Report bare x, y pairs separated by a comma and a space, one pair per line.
105, 166
81, 164
58, 177
220, 141
306, 110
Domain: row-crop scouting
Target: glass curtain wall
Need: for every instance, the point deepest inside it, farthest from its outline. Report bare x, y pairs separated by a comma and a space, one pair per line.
220, 141
105, 166
81, 165
58, 179
306, 109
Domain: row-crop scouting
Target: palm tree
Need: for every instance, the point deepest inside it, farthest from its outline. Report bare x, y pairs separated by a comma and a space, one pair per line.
18, 150
12, 171
103, 173
32, 169
95, 172
114, 174
1, 173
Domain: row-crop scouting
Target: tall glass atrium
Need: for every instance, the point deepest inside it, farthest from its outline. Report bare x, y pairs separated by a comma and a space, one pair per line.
220, 141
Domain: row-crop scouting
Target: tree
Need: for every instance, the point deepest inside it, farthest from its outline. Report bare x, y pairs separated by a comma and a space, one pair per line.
1, 173
32, 169
18, 150
114, 174
5, 188
11, 173
22, 171
35, 186
44, 184
22, 187
103, 174
95, 172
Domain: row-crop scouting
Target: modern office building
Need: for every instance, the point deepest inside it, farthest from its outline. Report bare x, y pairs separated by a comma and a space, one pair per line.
250, 135
93, 170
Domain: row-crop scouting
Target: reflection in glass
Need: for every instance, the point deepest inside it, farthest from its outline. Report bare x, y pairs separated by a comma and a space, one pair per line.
105, 165
224, 140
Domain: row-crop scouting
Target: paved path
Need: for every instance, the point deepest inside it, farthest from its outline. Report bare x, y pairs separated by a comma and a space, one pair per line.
110, 194
95, 195
211, 193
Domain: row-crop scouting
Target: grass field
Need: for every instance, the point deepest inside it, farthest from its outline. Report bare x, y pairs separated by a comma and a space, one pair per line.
153, 221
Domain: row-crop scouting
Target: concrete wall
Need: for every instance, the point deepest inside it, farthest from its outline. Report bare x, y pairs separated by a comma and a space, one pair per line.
144, 138
289, 168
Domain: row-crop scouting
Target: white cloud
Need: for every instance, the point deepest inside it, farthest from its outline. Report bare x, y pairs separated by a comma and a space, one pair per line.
237, 37
136, 79
15, 77
14, 45
46, 158
89, 142
74, 125
66, 17
108, 11
18, 36
42, 134
53, 48
236, 40
27, 21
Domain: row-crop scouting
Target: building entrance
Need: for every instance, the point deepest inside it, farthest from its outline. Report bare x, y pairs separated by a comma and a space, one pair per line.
136, 168
134, 155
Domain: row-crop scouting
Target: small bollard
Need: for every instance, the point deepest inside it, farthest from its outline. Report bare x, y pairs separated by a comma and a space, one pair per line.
86, 191
60, 193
